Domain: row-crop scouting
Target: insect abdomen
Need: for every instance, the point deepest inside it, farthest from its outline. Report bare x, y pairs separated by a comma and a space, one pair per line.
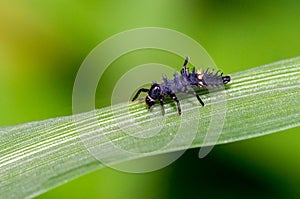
210, 79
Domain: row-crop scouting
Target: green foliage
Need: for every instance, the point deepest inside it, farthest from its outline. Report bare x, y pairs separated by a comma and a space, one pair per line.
37, 156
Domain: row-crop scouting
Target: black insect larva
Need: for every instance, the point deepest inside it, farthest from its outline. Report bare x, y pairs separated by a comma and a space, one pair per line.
182, 83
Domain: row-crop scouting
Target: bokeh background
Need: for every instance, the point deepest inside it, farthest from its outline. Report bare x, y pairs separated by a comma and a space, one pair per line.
43, 43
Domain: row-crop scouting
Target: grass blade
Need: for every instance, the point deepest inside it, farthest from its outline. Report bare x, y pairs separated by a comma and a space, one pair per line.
37, 156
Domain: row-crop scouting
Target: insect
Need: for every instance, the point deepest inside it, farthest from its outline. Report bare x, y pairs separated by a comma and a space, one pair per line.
182, 83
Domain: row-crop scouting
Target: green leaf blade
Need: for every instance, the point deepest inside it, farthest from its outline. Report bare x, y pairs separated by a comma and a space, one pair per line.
37, 156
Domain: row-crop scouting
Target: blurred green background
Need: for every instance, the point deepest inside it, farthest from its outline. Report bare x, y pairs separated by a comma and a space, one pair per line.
43, 43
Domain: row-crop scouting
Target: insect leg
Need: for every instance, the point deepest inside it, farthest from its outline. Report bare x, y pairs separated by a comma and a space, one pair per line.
184, 70
139, 91
161, 100
195, 94
186, 61
173, 96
